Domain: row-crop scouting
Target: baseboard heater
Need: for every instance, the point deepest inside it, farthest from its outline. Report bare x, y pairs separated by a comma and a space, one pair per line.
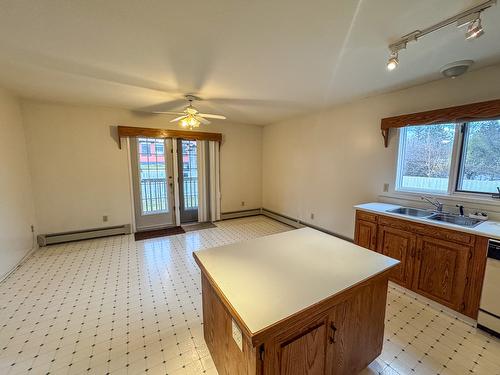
296, 223
54, 238
238, 214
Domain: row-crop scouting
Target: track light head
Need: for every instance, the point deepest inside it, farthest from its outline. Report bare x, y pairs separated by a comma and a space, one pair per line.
470, 18
393, 61
474, 30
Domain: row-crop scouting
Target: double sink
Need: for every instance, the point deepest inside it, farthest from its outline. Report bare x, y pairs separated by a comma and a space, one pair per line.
436, 216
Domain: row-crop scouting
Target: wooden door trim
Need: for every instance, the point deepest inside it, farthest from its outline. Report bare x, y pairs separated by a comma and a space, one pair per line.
133, 131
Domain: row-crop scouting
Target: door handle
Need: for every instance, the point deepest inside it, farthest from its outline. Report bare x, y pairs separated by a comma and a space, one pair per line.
333, 333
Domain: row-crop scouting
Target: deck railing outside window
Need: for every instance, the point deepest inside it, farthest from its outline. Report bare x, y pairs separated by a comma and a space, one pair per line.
190, 174
153, 182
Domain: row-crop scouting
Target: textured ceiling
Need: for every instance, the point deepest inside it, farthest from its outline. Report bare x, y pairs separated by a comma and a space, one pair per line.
255, 61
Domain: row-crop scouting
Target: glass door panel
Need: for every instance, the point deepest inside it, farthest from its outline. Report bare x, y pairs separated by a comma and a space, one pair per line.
187, 154
152, 180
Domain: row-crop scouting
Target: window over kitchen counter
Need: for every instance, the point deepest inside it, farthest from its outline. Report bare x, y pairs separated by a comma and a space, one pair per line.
449, 158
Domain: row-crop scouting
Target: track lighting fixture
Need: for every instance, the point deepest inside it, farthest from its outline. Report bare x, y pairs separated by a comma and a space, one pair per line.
474, 30
470, 18
393, 61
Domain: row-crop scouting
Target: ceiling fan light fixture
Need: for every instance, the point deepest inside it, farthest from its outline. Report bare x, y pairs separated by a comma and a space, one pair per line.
190, 122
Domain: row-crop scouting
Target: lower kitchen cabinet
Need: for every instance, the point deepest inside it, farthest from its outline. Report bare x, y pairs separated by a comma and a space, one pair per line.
444, 265
366, 234
304, 353
325, 345
441, 271
352, 326
400, 245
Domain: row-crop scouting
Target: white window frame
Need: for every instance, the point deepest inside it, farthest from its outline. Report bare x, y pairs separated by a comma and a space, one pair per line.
451, 191
453, 166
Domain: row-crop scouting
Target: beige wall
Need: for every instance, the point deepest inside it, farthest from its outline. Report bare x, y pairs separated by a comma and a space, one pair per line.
16, 201
79, 174
327, 162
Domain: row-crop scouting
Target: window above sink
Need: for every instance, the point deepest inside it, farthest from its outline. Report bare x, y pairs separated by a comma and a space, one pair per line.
449, 159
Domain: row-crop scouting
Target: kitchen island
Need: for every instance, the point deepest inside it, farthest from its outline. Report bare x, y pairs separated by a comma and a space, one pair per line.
299, 302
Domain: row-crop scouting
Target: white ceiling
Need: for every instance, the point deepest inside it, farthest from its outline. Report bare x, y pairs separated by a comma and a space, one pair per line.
259, 61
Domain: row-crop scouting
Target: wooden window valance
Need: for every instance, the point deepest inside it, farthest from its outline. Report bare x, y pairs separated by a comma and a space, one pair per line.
132, 131
462, 113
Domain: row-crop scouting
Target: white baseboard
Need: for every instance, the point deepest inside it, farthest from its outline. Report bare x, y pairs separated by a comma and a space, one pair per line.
18, 264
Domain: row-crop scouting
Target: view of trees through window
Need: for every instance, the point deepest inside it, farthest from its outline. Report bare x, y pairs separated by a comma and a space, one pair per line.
425, 157
480, 166
426, 153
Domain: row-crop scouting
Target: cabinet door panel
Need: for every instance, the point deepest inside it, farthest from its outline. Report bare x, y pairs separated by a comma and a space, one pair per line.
399, 245
356, 330
441, 271
366, 234
304, 354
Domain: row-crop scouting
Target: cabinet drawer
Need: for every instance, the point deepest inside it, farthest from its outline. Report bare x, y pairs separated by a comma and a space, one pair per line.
367, 216
428, 230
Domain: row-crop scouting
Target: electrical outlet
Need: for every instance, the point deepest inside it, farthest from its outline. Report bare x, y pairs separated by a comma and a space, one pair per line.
237, 334
242, 203
386, 187
105, 218
312, 216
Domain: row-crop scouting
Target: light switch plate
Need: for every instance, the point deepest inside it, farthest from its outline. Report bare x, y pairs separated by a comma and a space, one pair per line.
237, 335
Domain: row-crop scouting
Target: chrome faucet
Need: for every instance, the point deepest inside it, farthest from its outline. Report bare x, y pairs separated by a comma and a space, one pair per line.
434, 202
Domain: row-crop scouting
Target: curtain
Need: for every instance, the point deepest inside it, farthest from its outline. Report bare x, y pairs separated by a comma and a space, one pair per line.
203, 182
214, 162
208, 181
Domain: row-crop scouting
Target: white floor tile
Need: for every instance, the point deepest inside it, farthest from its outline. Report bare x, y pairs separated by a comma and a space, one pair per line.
118, 306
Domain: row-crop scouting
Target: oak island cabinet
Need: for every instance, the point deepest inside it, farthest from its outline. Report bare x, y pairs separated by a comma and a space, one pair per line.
299, 302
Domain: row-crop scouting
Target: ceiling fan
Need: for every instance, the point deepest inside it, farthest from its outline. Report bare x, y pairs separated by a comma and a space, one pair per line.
190, 117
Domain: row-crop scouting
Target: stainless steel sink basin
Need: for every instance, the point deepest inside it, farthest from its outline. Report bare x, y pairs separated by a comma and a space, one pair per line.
455, 219
410, 212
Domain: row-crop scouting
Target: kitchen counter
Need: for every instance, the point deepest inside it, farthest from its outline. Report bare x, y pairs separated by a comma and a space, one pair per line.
270, 278
489, 229
301, 300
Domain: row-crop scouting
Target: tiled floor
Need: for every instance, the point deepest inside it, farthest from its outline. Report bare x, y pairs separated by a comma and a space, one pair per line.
122, 307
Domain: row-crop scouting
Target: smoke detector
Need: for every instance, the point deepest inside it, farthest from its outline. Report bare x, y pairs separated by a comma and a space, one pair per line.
455, 69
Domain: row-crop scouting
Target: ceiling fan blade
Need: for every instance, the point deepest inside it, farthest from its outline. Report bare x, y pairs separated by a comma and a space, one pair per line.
208, 115
202, 120
172, 105
253, 102
169, 113
178, 118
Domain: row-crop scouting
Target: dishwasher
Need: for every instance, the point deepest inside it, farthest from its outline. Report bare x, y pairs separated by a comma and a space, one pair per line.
489, 308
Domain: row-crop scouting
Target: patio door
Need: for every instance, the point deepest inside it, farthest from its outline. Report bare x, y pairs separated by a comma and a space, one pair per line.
187, 154
152, 175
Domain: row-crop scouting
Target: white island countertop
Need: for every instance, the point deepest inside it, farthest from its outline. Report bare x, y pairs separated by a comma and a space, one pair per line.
270, 278
489, 229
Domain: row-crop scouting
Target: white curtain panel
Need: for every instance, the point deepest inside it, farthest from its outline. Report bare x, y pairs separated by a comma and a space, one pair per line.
214, 179
203, 185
